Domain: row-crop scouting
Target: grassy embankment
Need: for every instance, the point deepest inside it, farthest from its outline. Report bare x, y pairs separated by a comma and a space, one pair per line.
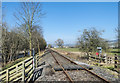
14, 62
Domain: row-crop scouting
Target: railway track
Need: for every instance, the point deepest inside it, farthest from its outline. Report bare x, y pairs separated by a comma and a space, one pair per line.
62, 68
62, 60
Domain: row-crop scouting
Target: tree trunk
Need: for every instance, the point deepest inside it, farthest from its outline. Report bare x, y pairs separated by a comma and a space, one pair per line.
30, 42
10, 58
4, 61
24, 52
39, 49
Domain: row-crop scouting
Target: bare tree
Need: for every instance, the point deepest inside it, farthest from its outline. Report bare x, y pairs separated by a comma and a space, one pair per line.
12, 44
37, 39
118, 36
90, 40
49, 45
59, 42
29, 15
0, 26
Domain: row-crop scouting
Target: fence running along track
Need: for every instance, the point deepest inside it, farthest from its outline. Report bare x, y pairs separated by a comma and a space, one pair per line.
76, 64
22, 71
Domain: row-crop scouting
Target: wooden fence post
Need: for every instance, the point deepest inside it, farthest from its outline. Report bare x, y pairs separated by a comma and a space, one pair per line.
107, 60
95, 59
119, 65
7, 75
23, 72
16, 68
115, 61
110, 59
36, 60
89, 57
104, 58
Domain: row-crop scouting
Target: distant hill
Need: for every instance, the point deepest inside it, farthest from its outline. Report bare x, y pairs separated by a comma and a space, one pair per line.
70, 45
113, 41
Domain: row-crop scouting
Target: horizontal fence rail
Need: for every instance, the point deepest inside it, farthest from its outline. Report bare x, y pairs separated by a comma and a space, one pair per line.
23, 71
19, 72
108, 60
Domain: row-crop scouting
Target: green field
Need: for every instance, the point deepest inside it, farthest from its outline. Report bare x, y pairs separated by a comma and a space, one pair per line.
110, 52
68, 49
114, 51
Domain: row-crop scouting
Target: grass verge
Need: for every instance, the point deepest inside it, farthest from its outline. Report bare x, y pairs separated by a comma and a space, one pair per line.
68, 49
14, 62
110, 52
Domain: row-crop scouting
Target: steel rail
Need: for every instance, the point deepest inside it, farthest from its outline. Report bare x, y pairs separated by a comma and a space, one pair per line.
62, 68
85, 68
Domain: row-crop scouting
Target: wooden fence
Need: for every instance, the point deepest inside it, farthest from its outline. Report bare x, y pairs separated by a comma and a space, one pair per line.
106, 59
19, 72
22, 71
117, 62
38, 58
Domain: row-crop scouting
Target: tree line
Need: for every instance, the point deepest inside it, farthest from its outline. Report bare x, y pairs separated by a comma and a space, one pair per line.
88, 41
26, 35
